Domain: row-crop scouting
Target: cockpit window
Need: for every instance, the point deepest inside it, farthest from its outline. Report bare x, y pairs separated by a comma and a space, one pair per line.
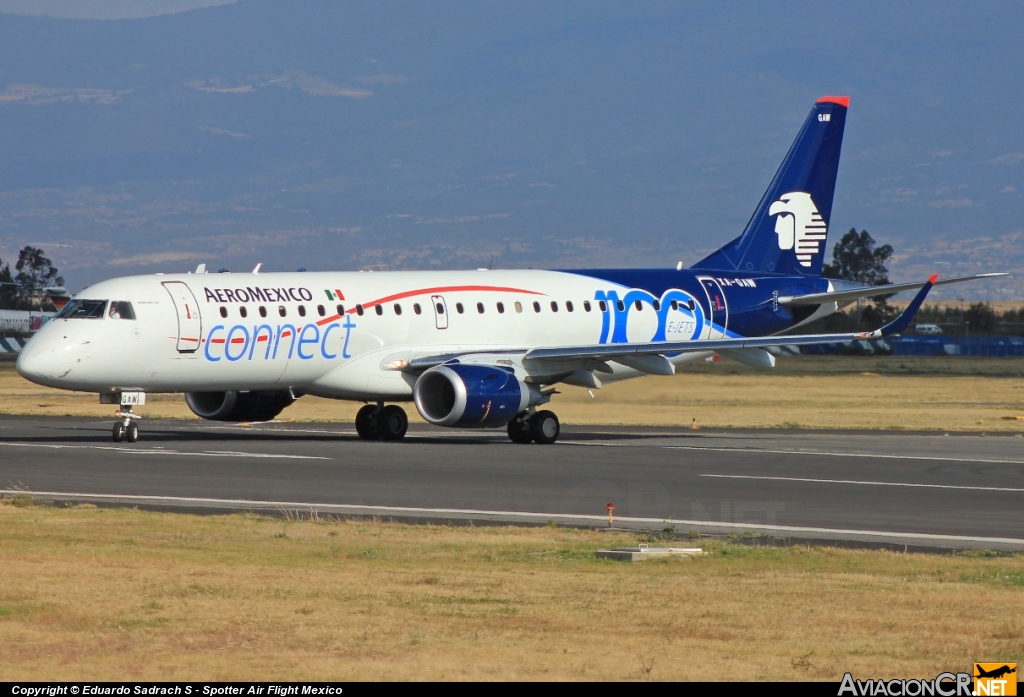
84, 309
119, 309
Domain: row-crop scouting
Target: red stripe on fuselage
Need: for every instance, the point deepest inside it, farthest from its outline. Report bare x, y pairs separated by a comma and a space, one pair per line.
430, 291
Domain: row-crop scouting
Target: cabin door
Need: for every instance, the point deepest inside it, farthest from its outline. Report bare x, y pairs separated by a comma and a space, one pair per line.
440, 311
718, 307
190, 325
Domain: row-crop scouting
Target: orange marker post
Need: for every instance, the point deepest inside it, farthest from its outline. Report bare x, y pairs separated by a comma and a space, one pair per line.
611, 513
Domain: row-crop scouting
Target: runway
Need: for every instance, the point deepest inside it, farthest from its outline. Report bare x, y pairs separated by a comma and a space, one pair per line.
930, 490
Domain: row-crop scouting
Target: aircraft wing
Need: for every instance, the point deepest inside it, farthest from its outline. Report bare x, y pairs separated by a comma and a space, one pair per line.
843, 297
649, 357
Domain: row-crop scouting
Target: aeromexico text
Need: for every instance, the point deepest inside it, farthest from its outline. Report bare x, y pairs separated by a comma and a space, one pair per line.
263, 295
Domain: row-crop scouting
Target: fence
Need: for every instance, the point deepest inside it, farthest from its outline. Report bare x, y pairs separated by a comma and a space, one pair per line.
11, 344
959, 346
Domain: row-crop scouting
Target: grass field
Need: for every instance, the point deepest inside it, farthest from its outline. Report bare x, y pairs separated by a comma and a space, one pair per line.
92, 594
919, 393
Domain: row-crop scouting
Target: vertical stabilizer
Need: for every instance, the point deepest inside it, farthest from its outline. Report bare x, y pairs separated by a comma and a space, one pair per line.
787, 232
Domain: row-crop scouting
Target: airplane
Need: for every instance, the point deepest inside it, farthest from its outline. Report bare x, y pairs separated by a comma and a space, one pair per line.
470, 349
995, 673
23, 321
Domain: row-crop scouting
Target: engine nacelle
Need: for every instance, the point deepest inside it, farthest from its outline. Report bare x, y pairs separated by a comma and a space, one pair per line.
471, 396
257, 405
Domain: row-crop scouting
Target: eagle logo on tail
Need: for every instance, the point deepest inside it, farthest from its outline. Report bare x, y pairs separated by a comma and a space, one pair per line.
799, 226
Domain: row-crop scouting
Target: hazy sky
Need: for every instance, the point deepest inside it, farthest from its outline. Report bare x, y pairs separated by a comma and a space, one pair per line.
103, 9
459, 134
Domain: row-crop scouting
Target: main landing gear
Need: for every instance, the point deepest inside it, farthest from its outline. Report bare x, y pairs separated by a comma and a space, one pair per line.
379, 422
126, 427
541, 427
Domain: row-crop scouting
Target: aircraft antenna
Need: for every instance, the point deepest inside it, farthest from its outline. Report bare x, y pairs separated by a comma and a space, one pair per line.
258, 267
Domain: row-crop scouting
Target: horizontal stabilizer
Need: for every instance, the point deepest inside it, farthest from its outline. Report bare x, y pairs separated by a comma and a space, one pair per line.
844, 297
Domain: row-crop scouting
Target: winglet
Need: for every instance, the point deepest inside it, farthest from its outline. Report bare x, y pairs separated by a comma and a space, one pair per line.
907, 316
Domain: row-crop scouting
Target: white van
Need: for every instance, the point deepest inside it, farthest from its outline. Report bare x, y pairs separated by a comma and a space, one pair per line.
927, 329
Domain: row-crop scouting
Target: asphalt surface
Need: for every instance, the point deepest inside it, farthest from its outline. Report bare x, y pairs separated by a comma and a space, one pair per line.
956, 491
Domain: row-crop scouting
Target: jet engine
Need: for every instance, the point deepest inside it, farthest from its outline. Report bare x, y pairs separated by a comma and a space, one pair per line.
472, 396
261, 405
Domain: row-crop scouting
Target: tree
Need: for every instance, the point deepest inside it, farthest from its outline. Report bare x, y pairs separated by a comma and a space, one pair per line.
8, 288
35, 271
981, 318
855, 258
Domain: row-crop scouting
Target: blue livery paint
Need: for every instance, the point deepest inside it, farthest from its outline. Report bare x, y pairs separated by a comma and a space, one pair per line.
493, 395
810, 168
304, 341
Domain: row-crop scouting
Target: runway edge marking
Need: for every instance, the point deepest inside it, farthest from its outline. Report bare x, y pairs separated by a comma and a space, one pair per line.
863, 483
869, 456
468, 512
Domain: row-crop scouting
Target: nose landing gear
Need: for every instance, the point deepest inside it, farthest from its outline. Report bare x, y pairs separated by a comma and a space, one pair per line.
126, 427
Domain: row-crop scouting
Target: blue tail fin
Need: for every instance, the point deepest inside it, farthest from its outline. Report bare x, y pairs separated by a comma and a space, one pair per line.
786, 234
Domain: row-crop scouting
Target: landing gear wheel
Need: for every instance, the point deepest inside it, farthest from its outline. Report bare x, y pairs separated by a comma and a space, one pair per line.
544, 427
366, 422
519, 431
131, 433
119, 430
392, 423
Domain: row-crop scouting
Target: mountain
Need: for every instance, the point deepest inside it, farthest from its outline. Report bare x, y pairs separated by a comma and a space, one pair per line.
463, 134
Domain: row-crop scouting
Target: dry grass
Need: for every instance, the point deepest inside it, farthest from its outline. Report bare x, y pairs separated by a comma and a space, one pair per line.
93, 594
947, 394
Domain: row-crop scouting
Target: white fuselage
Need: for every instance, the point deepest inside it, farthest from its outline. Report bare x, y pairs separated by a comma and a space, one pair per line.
276, 331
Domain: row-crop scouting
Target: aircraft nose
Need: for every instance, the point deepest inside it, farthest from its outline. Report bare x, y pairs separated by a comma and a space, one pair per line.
35, 363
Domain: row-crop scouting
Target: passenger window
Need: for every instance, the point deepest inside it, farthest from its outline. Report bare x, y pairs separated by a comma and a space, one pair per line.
568, 305
639, 305
263, 311
480, 308
320, 310
416, 308
603, 305
501, 308
657, 305
359, 310
536, 306
223, 311
554, 306
690, 304
440, 308
586, 305
281, 311
398, 309
459, 308
621, 305
243, 312
379, 309
519, 306
121, 310
675, 305
341, 310
302, 310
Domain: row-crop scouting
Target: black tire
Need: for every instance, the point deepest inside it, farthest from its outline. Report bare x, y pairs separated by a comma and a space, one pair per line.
366, 423
519, 431
118, 432
392, 423
131, 433
544, 427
